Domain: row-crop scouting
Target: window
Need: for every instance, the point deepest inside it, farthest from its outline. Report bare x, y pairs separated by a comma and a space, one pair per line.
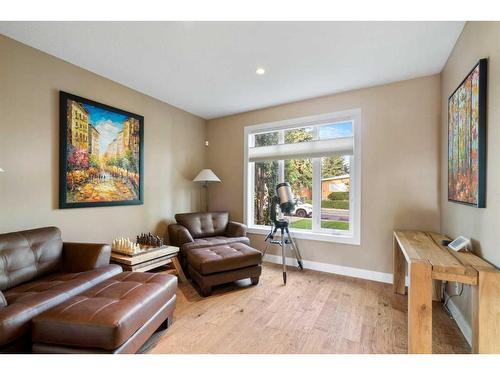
320, 157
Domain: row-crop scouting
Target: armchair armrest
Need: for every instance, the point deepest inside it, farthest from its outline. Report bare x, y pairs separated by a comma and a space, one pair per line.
79, 257
178, 235
235, 229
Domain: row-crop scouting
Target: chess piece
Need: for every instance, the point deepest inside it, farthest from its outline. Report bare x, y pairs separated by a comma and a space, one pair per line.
125, 246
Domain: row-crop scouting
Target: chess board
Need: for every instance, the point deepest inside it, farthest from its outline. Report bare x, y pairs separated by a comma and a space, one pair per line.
146, 260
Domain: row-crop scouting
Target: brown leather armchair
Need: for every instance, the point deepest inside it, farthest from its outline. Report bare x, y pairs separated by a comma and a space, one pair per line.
214, 250
37, 272
205, 229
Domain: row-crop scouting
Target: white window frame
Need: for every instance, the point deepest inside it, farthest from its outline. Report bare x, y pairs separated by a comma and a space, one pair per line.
353, 236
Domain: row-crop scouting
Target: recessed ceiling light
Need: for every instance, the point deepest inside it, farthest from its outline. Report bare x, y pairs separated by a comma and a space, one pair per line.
260, 71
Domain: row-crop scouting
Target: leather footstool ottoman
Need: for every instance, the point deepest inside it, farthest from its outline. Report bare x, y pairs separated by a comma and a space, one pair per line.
209, 266
116, 316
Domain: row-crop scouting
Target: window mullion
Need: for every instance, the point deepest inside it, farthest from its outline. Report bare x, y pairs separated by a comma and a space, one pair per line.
250, 185
316, 195
352, 194
251, 194
316, 188
281, 163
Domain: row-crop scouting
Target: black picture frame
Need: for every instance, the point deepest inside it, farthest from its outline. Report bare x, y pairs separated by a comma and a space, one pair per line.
64, 97
481, 135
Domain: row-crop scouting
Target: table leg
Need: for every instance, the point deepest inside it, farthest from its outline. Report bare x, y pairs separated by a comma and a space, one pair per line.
399, 269
420, 308
486, 313
178, 268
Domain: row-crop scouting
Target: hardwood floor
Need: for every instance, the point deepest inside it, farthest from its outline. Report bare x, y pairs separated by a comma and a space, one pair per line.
315, 313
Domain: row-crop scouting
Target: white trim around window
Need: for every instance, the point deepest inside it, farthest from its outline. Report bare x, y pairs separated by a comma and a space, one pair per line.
353, 236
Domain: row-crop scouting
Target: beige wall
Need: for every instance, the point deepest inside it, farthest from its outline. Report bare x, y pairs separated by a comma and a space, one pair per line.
400, 165
478, 40
29, 144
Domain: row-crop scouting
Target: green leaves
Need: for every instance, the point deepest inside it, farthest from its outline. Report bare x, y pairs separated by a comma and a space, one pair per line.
333, 166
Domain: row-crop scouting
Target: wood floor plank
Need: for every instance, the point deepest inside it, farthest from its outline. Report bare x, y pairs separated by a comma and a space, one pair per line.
315, 313
315, 342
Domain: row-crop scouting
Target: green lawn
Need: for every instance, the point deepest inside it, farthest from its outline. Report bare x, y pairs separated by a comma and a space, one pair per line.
330, 224
327, 224
343, 205
339, 204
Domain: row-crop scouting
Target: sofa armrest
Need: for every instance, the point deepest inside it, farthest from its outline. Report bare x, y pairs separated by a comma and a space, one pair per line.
178, 235
235, 229
79, 257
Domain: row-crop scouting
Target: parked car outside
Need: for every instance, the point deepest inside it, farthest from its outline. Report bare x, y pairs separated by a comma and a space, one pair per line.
303, 209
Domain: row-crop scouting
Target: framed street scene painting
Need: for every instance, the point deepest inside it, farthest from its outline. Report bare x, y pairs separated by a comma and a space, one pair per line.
101, 154
467, 139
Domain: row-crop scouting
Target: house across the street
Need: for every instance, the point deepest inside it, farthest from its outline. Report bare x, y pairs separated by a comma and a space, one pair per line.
334, 184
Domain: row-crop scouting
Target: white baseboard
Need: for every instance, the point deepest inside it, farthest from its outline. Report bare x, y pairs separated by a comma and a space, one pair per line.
333, 268
462, 323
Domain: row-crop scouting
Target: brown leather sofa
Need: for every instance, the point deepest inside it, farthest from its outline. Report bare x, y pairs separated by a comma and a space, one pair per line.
214, 250
37, 272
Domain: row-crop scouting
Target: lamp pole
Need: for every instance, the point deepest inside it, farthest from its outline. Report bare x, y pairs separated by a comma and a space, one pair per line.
205, 187
204, 177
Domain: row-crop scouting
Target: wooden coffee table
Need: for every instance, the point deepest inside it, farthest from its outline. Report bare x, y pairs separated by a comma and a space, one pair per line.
151, 259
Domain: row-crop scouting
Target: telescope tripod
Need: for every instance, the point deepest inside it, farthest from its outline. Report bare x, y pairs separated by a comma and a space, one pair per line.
285, 239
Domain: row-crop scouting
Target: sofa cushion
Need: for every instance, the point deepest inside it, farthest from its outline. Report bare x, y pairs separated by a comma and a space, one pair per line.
208, 260
29, 254
106, 315
213, 241
204, 224
30, 299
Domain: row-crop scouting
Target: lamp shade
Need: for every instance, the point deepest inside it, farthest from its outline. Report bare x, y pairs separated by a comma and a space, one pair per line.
1, 170
206, 175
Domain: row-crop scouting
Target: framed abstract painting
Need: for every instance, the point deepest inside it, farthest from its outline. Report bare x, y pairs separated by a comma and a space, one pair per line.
467, 139
101, 154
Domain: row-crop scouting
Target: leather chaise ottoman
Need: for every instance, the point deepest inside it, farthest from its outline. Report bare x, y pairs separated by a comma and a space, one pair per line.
217, 265
115, 316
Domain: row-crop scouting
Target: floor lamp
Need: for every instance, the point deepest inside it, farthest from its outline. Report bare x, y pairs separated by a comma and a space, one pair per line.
205, 177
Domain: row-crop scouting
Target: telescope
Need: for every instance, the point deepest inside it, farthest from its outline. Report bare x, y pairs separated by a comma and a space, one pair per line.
285, 202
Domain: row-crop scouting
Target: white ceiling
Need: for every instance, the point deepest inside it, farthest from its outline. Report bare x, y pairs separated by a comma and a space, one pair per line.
208, 68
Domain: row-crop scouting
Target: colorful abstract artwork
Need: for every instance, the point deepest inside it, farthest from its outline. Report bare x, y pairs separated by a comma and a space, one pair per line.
101, 154
467, 139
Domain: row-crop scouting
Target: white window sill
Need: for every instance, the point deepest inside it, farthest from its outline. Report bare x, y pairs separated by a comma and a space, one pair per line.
306, 235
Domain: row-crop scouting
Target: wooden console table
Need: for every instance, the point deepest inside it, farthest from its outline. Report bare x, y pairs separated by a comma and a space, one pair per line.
428, 260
